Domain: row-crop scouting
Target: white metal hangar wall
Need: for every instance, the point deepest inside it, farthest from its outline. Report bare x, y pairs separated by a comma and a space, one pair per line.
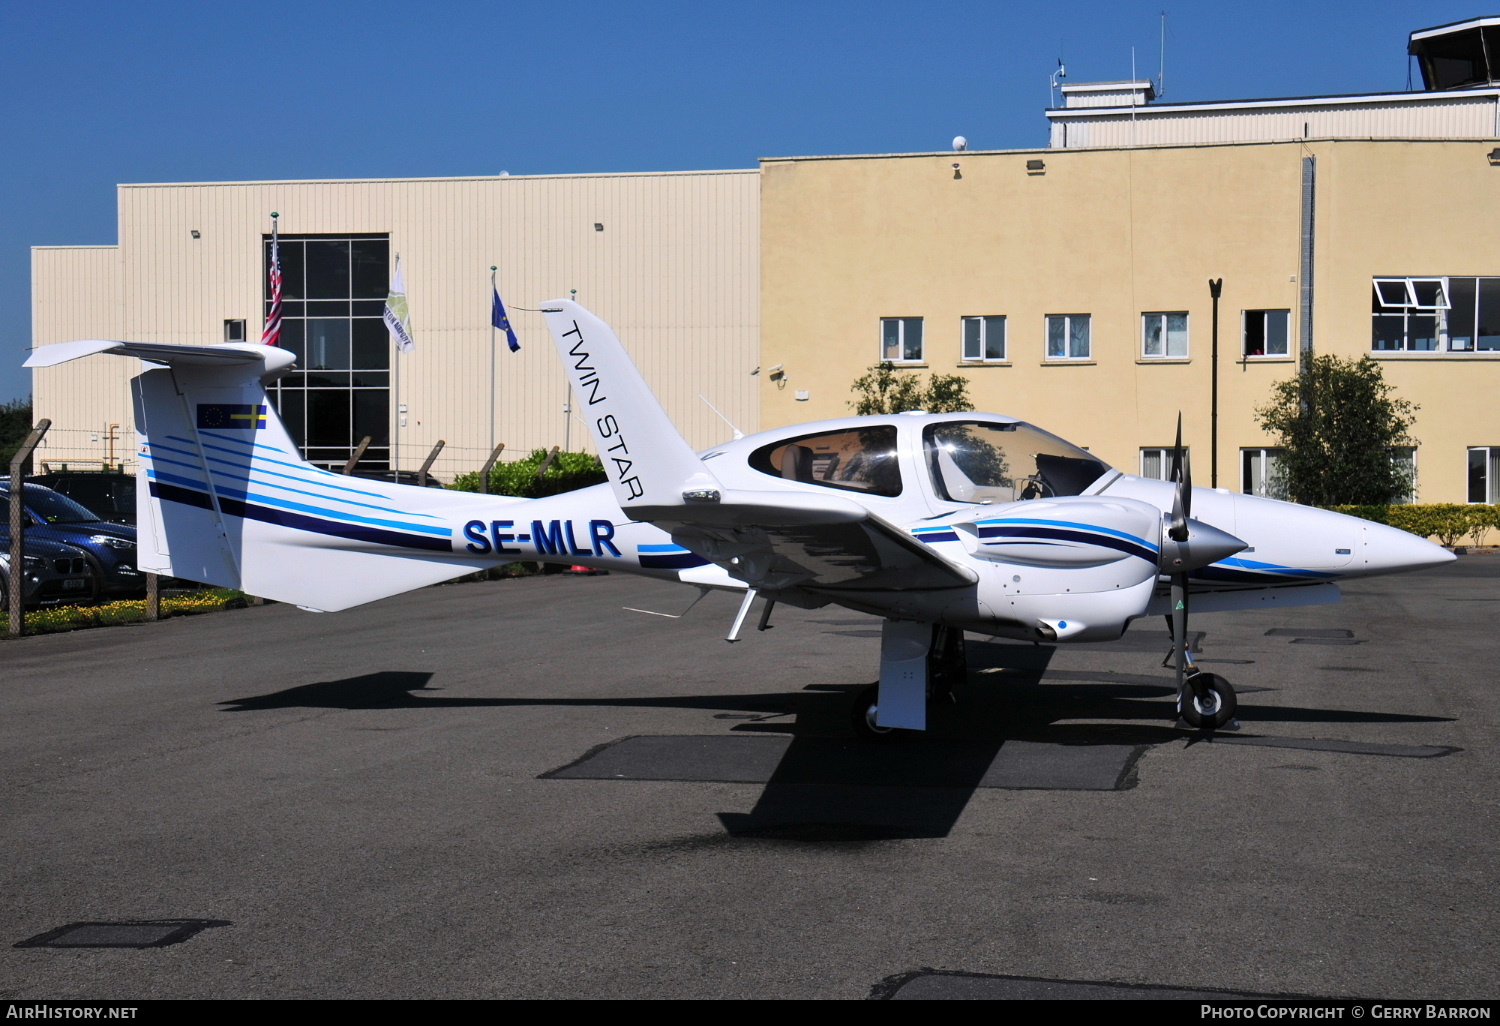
671, 260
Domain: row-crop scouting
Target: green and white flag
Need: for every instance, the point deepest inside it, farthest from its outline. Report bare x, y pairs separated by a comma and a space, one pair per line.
397, 317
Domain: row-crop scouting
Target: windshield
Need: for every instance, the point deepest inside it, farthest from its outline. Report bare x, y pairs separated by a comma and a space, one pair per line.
54, 508
985, 462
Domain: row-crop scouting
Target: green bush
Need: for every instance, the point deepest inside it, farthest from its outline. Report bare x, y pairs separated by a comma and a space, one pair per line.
1445, 521
569, 471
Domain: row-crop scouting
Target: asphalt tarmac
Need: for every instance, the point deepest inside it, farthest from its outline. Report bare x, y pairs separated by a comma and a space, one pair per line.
518, 789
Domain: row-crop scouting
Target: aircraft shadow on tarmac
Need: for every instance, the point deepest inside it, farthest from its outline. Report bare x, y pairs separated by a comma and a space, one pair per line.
1014, 725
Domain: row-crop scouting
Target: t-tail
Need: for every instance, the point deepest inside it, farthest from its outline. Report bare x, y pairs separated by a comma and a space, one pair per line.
226, 499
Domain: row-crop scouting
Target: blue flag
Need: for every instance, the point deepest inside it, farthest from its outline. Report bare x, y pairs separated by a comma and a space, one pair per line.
501, 321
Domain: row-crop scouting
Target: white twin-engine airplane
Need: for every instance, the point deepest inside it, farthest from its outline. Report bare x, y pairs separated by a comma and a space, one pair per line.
940, 523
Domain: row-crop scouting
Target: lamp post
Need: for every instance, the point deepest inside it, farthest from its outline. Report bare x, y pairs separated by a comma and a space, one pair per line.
1215, 287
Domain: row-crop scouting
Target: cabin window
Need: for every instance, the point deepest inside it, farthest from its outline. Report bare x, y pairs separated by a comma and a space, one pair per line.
1164, 336
1068, 337
985, 462
1266, 332
901, 339
983, 339
860, 460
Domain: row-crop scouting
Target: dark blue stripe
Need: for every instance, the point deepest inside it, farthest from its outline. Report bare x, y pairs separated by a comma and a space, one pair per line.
1229, 575
675, 561
283, 518
937, 536
1104, 540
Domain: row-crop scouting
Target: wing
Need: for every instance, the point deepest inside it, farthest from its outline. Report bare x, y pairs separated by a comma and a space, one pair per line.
769, 540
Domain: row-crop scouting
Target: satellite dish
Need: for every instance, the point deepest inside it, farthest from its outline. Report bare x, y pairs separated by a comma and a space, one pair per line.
960, 143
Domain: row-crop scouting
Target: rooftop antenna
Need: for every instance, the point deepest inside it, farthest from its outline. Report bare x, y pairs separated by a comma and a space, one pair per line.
1161, 71
1057, 77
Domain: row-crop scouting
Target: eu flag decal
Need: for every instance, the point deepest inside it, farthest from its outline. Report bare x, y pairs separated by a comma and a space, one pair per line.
221, 416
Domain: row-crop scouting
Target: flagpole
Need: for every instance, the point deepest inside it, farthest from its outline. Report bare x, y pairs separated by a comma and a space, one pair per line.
396, 449
494, 291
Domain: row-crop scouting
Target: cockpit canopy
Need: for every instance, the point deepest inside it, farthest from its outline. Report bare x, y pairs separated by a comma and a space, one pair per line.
968, 460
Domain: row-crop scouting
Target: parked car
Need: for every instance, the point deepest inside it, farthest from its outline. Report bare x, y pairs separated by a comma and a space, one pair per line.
52, 573
111, 546
110, 494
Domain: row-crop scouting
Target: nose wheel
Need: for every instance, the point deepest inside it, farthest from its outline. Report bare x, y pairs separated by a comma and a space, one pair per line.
1206, 702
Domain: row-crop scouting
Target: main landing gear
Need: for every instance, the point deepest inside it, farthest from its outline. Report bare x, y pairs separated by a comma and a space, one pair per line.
920, 664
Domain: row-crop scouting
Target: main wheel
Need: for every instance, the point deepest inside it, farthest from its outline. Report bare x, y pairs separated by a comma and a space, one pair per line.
1215, 709
862, 717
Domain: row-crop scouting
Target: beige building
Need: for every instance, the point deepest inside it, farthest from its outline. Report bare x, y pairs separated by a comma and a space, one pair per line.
671, 260
1071, 285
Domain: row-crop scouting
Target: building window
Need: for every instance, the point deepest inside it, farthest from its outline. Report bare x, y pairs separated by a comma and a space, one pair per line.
1448, 315
1156, 463
1484, 473
333, 294
1261, 474
1164, 336
1067, 336
234, 331
1473, 315
984, 339
1266, 332
901, 339
1405, 459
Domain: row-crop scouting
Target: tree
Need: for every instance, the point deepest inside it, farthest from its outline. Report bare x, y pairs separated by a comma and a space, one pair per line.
15, 425
884, 389
1338, 423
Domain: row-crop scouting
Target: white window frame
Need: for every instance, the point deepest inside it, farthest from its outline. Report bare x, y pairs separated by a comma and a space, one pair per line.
1491, 480
1068, 322
1164, 339
989, 325
1162, 453
1267, 459
1245, 318
901, 325
1412, 305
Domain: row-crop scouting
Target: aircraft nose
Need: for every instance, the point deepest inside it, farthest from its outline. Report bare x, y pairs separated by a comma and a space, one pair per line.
1390, 550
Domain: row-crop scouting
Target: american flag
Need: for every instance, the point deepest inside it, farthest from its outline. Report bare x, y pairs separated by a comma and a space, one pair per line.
272, 335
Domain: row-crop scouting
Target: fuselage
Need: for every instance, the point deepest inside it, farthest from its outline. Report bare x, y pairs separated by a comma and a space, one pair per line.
1063, 546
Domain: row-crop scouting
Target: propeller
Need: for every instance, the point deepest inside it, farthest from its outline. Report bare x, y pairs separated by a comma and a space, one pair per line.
1182, 508
1188, 545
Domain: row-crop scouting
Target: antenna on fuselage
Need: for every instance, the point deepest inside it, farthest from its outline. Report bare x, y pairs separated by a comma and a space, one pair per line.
737, 432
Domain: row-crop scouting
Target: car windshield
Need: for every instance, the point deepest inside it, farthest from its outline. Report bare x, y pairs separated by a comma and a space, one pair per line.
54, 508
984, 462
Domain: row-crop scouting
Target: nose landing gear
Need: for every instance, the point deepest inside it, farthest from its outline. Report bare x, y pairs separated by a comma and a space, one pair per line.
1206, 702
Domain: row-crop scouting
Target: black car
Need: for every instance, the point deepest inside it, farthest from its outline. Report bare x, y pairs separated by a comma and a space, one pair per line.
58, 518
52, 573
109, 494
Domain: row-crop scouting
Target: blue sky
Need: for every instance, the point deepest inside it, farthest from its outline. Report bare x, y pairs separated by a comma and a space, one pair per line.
141, 91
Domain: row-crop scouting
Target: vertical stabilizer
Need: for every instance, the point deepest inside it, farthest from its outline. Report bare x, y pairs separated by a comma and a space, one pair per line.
650, 467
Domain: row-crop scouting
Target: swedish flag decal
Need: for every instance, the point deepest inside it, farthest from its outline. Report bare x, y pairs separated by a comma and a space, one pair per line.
221, 416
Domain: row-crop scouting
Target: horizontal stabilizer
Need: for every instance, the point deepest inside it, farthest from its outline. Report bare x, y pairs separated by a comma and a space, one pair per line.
229, 354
